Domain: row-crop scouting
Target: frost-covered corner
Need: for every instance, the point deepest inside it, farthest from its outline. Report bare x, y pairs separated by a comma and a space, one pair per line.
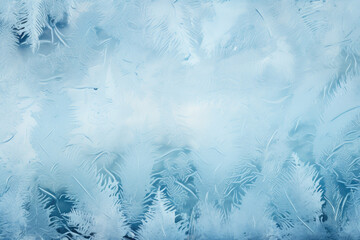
185, 119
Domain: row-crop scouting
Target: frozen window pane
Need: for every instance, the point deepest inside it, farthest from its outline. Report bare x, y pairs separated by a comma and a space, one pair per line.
179, 119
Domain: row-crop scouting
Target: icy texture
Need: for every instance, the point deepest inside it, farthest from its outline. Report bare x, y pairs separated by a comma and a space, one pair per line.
179, 119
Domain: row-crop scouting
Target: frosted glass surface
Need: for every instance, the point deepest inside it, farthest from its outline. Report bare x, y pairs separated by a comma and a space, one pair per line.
179, 119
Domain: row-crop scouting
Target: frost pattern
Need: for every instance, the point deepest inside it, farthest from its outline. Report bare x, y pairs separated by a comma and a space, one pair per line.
179, 119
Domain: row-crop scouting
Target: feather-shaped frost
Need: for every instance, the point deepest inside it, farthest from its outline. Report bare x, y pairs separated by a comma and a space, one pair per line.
160, 221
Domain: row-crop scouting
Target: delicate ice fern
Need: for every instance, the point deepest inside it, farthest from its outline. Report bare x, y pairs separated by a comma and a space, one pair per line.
139, 159
299, 198
100, 215
160, 221
31, 21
